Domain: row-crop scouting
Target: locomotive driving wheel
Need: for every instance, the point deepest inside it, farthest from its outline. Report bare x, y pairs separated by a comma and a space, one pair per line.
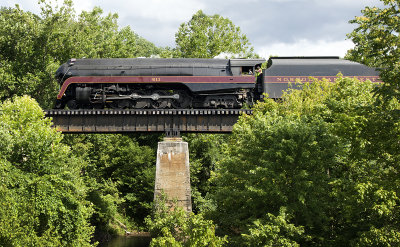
72, 104
157, 101
59, 104
140, 101
183, 102
124, 104
120, 104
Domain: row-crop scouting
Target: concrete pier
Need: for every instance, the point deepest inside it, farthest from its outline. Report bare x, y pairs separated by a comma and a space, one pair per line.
173, 172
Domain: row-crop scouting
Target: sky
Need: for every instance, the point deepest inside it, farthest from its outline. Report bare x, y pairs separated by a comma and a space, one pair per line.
273, 27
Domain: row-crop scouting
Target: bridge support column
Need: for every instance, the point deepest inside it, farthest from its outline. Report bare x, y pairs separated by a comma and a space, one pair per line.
173, 172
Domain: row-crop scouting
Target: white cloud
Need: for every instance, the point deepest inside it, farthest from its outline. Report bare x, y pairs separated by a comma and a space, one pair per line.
80, 6
26, 5
155, 20
350, 3
286, 1
306, 48
159, 10
34, 7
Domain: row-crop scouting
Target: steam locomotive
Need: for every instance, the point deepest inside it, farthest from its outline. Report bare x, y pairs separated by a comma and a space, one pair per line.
190, 83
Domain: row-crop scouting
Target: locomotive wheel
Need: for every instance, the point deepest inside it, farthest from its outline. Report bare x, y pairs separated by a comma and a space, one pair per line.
72, 104
98, 106
112, 105
184, 101
124, 104
142, 103
59, 104
158, 103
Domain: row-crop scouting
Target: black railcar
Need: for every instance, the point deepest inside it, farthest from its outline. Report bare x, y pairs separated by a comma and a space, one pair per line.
284, 72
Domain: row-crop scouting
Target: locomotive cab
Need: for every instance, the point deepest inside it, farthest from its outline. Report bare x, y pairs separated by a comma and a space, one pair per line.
245, 67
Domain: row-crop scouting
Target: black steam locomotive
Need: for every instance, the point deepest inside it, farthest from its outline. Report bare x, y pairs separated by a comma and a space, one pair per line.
190, 83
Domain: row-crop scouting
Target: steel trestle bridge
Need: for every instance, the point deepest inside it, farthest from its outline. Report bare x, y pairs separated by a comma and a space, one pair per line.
146, 120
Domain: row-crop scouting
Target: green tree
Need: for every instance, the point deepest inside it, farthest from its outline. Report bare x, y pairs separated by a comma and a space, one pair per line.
376, 40
328, 155
206, 36
120, 172
42, 194
205, 151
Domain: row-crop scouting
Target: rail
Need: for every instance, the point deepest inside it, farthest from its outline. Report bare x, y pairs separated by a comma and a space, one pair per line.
146, 120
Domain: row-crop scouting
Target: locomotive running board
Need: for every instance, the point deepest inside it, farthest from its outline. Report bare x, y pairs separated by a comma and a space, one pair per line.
145, 120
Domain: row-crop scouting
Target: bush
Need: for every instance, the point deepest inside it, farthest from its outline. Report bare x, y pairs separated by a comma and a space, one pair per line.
172, 226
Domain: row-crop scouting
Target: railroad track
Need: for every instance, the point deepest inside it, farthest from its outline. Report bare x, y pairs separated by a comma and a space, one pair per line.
51, 113
146, 120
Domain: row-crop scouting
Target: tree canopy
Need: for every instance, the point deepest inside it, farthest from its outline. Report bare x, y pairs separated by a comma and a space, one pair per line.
317, 169
207, 36
43, 196
376, 40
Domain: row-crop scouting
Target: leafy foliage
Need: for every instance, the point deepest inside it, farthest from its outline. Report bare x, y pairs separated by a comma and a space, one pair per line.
376, 40
42, 195
205, 151
120, 173
272, 233
172, 226
328, 155
206, 36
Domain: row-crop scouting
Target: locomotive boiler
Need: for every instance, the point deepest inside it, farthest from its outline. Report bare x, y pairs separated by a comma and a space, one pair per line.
191, 83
